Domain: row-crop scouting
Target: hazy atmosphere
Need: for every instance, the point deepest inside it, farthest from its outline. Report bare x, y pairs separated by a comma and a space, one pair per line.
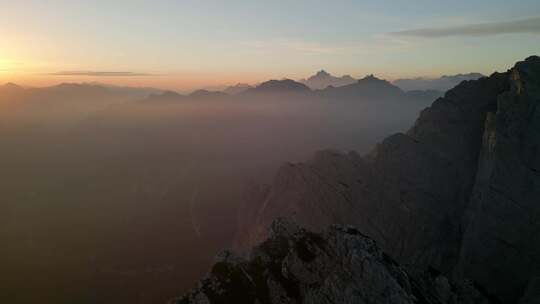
339, 152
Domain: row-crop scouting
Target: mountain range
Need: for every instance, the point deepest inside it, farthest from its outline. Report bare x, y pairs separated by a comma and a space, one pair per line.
127, 197
367, 89
322, 80
443, 83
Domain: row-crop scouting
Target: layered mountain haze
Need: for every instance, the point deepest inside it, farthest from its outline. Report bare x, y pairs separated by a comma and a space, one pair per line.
237, 88
269, 152
127, 196
128, 193
279, 87
443, 83
322, 80
60, 106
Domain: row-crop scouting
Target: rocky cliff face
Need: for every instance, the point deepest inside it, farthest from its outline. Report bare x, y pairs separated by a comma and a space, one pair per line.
502, 226
460, 191
340, 265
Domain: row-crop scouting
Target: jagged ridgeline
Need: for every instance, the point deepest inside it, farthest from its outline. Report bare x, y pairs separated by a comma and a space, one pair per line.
340, 265
458, 193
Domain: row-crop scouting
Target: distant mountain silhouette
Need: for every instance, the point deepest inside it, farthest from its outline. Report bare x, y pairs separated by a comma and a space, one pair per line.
237, 88
280, 86
443, 83
323, 79
134, 91
60, 105
207, 94
165, 97
369, 90
10, 87
369, 87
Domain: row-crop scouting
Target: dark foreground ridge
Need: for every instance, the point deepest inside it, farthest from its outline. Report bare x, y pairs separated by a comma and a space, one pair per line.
459, 194
340, 265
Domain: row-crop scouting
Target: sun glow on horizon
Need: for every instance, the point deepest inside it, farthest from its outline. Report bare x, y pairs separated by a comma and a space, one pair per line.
187, 45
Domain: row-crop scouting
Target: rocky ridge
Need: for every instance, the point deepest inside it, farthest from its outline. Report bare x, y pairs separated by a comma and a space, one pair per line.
458, 192
340, 265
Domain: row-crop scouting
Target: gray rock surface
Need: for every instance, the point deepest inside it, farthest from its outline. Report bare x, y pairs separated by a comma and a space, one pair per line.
460, 191
502, 227
340, 265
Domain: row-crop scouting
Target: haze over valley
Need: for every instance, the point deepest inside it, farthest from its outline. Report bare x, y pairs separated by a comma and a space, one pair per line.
283, 152
100, 169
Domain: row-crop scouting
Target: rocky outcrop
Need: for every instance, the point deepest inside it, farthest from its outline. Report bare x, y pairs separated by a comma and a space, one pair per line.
340, 265
458, 192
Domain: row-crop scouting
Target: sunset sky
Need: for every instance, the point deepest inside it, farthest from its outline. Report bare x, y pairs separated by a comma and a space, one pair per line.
184, 45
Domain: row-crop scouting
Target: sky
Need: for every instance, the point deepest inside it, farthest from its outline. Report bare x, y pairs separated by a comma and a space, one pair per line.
184, 45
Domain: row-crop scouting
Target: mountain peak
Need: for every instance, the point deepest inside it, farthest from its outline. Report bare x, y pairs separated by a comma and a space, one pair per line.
206, 93
280, 86
168, 96
322, 73
442, 83
10, 86
237, 88
372, 81
323, 79
370, 77
367, 88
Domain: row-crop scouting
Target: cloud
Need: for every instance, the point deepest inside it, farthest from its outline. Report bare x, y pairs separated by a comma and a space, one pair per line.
99, 73
529, 26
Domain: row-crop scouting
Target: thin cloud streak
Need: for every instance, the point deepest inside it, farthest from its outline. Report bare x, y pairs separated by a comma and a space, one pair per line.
99, 73
524, 26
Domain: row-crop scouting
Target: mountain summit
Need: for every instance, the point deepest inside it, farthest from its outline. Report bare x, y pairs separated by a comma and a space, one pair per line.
367, 88
280, 86
443, 83
323, 79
